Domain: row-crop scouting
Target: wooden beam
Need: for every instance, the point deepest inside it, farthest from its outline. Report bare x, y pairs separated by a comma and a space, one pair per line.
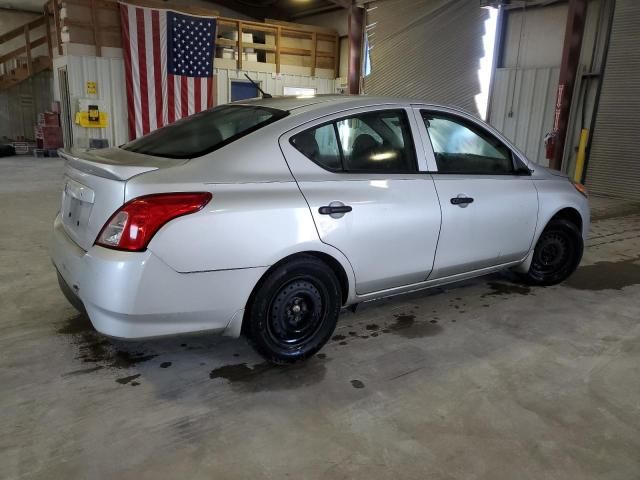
20, 50
56, 21
27, 42
295, 51
226, 42
48, 33
278, 48
573, 34
356, 40
240, 51
16, 32
336, 58
96, 28
301, 27
314, 48
88, 25
343, 3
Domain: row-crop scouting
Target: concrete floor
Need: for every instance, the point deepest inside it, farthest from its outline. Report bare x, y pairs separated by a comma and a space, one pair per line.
484, 380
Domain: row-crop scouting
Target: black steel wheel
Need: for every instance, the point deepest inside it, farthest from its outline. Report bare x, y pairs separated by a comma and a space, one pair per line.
294, 310
557, 253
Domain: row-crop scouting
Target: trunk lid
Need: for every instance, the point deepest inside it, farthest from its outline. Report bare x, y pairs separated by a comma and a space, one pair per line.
94, 187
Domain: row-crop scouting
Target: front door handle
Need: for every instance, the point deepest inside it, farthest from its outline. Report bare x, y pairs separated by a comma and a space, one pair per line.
335, 209
461, 200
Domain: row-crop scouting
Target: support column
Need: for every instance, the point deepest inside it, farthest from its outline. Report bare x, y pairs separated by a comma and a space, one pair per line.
568, 69
356, 36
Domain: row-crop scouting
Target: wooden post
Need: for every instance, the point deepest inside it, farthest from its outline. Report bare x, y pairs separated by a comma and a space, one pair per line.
239, 64
573, 34
356, 34
314, 47
278, 34
48, 30
56, 20
336, 58
28, 45
96, 28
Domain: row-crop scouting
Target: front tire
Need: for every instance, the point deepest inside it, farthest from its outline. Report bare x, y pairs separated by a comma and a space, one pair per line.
294, 311
557, 253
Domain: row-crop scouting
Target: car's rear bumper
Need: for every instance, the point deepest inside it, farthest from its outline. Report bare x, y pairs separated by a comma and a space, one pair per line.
136, 295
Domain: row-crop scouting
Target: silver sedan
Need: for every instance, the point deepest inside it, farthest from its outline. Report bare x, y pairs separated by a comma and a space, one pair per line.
265, 218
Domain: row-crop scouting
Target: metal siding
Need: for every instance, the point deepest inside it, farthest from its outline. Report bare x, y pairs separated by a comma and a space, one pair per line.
614, 168
428, 49
20, 105
533, 93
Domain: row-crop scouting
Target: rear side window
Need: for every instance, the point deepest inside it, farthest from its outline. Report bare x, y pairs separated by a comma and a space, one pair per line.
377, 141
461, 147
204, 132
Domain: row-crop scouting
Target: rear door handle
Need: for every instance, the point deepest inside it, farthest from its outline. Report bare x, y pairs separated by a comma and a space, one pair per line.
335, 209
461, 200
329, 210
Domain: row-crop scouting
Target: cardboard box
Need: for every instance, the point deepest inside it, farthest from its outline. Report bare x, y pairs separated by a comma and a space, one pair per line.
49, 137
49, 118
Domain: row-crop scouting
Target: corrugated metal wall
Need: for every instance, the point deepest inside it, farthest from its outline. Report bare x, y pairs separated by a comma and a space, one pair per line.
614, 165
108, 73
522, 107
429, 49
20, 105
270, 83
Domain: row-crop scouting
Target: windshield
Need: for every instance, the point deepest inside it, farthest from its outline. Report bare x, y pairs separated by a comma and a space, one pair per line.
204, 132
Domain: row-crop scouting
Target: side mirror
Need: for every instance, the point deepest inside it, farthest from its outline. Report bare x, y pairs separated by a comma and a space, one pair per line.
522, 169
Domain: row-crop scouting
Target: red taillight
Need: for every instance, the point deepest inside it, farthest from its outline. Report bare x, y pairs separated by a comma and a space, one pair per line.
133, 226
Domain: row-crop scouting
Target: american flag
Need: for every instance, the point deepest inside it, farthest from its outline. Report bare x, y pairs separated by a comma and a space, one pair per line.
168, 60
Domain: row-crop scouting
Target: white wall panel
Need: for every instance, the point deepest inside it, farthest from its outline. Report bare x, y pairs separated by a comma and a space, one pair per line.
108, 73
522, 107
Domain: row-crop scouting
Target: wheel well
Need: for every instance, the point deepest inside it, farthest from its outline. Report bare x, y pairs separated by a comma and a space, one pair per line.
571, 215
327, 259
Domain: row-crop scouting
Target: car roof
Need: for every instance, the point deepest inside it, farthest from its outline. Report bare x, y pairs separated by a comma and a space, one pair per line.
304, 103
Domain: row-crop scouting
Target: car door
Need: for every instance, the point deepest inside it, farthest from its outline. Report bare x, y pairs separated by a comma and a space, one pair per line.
489, 202
359, 173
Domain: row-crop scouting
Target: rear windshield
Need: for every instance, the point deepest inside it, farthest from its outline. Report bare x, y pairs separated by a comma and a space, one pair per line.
204, 132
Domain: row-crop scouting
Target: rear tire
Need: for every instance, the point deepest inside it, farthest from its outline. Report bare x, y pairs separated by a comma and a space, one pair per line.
294, 311
557, 253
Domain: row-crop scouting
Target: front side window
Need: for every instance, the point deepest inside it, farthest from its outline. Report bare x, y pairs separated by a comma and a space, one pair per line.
204, 132
461, 147
377, 141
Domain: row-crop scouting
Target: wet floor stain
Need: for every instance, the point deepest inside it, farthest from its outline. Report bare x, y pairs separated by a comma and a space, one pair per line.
357, 384
606, 276
129, 379
240, 372
406, 326
82, 371
269, 377
94, 348
501, 288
